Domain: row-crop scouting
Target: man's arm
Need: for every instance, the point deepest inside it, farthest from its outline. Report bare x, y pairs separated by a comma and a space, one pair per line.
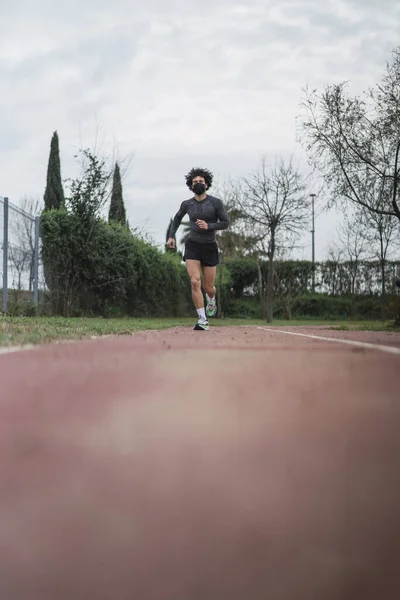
223, 219
177, 220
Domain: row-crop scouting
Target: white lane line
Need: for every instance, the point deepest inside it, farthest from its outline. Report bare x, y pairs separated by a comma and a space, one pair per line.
388, 349
10, 349
13, 349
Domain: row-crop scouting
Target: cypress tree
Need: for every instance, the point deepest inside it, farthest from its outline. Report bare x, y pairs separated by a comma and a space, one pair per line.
54, 193
117, 211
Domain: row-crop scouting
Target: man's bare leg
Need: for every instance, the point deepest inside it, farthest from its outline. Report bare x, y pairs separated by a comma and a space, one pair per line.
209, 274
194, 272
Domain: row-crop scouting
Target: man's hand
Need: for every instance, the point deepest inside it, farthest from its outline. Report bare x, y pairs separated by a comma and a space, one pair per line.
171, 243
202, 224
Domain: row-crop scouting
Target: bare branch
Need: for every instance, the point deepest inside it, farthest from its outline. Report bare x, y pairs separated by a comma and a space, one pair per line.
275, 203
355, 142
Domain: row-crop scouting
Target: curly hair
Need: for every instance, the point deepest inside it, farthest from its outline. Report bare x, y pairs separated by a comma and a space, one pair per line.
198, 172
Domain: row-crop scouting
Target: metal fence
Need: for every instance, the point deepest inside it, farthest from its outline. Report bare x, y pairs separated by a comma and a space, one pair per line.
20, 266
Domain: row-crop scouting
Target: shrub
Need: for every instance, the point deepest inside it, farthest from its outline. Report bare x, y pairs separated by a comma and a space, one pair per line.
100, 268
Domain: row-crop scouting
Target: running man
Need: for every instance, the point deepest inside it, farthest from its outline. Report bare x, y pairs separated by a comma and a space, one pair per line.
207, 215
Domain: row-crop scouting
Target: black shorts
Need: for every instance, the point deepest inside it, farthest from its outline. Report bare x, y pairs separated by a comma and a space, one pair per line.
206, 253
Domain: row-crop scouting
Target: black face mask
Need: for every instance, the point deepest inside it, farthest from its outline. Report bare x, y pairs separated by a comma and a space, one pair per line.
199, 189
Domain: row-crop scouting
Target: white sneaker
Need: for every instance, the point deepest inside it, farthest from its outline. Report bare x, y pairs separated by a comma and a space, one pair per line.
202, 325
211, 307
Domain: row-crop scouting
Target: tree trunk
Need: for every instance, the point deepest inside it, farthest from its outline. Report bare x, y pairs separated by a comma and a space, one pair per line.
31, 273
289, 304
261, 291
353, 297
334, 279
383, 288
397, 318
383, 253
270, 289
270, 280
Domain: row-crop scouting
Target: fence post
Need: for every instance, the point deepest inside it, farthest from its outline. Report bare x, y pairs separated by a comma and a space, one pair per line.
5, 255
36, 264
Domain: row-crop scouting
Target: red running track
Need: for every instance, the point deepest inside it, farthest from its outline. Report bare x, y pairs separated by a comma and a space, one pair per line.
231, 464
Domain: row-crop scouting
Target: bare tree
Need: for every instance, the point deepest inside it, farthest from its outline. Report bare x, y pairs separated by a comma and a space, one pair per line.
276, 204
352, 243
355, 142
237, 240
380, 232
331, 269
284, 287
97, 154
19, 261
22, 254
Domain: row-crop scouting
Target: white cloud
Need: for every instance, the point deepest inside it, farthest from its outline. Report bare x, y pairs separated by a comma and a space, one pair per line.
175, 85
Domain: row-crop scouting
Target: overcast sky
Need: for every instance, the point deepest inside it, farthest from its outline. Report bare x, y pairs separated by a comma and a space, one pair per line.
175, 84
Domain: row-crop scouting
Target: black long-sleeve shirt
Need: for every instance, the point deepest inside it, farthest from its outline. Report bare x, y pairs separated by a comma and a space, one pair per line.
211, 210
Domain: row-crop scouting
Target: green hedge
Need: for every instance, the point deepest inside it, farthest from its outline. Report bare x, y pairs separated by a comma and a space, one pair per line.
96, 268
309, 306
296, 276
102, 269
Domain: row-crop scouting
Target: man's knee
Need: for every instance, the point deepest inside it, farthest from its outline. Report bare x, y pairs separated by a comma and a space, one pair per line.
209, 289
196, 283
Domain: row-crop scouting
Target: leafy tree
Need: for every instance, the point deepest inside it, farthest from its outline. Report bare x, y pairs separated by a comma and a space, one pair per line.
54, 193
109, 272
117, 212
90, 191
69, 241
94, 267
